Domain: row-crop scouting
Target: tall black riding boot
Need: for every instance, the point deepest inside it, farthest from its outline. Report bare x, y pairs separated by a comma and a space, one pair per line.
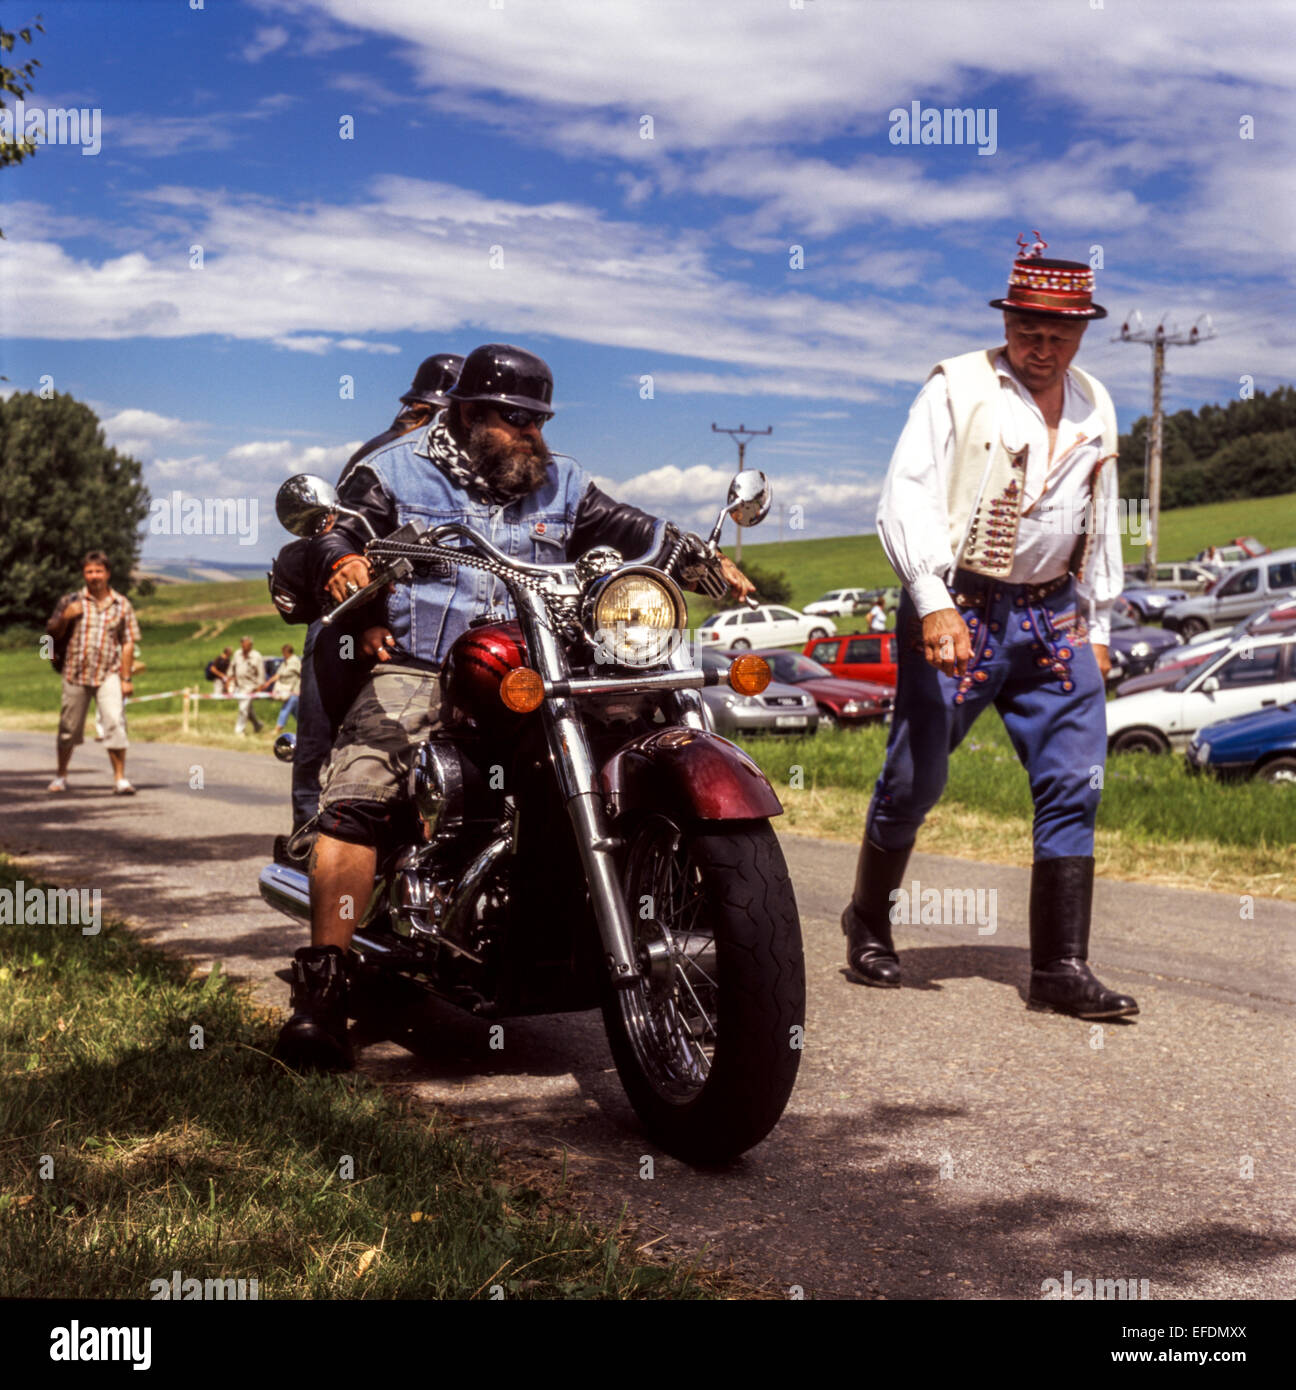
1061, 898
870, 952
316, 1034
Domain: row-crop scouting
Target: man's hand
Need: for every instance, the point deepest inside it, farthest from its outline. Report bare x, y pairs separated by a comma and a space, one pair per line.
739, 585
128, 686
1103, 657
947, 644
354, 571
376, 643
72, 612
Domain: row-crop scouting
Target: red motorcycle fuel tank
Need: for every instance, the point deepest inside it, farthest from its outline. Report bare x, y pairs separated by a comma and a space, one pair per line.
477, 663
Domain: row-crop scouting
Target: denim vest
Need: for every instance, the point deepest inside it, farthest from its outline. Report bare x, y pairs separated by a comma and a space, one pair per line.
429, 614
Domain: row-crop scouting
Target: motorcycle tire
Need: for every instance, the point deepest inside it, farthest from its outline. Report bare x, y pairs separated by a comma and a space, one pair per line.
708, 1043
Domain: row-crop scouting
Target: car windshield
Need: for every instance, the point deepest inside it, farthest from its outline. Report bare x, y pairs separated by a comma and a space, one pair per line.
1119, 623
710, 657
793, 669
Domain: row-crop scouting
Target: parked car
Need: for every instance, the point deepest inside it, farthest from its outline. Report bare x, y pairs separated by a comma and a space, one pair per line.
1134, 647
1254, 675
858, 657
1238, 549
839, 603
1250, 745
1185, 574
1247, 587
778, 709
1149, 602
770, 625
1274, 618
841, 702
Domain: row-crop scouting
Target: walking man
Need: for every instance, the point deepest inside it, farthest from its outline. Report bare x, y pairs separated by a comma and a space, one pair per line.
98, 632
246, 680
988, 517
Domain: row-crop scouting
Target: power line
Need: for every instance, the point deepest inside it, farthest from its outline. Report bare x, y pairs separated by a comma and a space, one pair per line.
1158, 339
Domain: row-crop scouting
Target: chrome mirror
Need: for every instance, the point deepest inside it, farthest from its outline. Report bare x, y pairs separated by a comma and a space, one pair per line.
304, 504
749, 497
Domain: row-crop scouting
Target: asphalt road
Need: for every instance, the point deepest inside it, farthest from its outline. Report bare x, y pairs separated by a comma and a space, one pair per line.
942, 1142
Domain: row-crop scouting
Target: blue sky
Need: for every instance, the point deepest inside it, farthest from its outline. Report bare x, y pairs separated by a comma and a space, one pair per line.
519, 124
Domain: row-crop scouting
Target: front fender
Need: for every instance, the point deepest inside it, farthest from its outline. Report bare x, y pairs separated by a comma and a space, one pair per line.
691, 771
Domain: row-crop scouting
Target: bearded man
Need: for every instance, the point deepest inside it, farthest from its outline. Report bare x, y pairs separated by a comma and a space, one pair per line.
484, 463
988, 513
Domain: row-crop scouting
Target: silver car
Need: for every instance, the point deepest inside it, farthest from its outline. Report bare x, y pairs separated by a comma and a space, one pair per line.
779, 709
1249, 586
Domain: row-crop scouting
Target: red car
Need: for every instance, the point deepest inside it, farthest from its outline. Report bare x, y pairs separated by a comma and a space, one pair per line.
842, 703
857, 657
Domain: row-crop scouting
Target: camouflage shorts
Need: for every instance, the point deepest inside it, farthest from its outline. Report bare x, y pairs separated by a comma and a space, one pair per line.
397, 707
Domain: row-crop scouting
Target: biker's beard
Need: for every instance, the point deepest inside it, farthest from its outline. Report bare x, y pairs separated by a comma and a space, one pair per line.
512, 470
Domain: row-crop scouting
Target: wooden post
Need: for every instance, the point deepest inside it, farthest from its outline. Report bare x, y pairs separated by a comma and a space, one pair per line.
184, 712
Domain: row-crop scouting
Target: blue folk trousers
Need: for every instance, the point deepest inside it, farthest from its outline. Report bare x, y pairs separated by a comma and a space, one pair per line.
1031, 659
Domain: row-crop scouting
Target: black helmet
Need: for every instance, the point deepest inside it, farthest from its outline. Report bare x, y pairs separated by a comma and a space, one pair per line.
435, 376
505, 375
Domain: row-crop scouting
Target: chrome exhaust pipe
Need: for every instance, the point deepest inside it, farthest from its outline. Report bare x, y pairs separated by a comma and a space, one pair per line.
286, 890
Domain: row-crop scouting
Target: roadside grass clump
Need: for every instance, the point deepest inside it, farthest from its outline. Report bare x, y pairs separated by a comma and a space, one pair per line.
173, 1141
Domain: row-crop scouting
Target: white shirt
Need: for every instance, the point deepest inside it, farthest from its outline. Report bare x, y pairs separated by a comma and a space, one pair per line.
913, 520
877, 618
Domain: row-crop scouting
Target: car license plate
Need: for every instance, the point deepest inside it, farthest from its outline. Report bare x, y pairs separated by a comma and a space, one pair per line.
791, 721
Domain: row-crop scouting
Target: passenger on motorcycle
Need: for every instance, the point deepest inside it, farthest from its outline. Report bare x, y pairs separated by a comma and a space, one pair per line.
484, 463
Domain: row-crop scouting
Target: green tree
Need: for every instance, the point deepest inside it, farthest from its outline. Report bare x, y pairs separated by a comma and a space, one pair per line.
63, 491
771, 585
17, 81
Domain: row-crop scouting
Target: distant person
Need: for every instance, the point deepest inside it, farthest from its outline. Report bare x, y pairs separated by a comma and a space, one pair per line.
95, 634
247, 680
218, 669
877, 617
287, 685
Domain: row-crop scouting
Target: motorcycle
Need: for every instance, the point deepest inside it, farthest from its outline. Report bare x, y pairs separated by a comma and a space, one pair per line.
585, 840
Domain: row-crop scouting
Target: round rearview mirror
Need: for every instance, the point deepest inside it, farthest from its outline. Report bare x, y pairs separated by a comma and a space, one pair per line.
749, 497
285, 746
304, 504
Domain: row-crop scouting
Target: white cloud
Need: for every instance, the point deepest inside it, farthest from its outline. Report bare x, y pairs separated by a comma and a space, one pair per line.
265, 40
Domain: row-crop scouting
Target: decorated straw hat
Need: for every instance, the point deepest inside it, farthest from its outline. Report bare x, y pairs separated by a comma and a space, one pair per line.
1053, 289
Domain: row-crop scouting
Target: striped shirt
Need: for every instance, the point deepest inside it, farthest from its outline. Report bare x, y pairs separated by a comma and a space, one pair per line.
94, 650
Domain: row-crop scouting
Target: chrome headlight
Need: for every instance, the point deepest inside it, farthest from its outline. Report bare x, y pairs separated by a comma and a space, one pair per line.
634, 617
1140, 649
1201, 753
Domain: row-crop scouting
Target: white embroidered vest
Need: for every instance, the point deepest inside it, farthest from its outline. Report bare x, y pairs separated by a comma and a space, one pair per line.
987, 482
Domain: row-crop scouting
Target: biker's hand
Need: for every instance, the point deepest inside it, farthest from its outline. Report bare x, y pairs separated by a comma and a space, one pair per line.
376, 643
947, 644
356, 571
739, 585
1103, 658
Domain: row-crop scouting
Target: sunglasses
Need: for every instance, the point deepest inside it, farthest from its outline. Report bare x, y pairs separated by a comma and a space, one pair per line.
520, 419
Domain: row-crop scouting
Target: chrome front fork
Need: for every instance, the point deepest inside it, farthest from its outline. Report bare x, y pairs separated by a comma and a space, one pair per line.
578, 778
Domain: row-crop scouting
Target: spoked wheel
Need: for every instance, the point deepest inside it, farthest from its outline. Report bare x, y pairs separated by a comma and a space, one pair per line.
708, 1042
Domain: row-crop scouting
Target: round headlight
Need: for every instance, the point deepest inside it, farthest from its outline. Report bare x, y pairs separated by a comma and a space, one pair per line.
634, 618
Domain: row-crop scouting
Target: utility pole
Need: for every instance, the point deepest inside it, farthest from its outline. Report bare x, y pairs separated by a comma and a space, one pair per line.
1158, 339
739, 434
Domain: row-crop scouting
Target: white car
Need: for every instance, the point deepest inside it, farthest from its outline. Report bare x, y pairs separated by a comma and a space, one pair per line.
1252, 674
770, 625
837, 603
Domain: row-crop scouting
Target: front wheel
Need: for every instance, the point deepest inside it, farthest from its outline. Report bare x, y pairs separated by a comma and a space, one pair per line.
1191, 627
739, 644
707, 1042
816, 633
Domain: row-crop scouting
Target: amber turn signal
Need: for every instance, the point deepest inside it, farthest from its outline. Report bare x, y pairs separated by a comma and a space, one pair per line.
522, 690
749, 675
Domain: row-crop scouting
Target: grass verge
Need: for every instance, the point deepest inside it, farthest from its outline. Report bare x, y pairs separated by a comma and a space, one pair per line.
220, 1163
1156, 823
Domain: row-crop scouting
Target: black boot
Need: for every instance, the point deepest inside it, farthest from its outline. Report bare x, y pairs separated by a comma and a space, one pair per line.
870, 952
1061, 898
316, 1034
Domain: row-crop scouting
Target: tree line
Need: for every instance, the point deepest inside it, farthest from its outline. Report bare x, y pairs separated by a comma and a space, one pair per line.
1217, 453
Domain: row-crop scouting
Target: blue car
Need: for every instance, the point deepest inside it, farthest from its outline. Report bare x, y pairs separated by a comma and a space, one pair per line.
1252, 745
1150, 603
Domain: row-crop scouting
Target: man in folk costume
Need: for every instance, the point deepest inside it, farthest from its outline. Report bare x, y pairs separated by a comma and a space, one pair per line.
996, 515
